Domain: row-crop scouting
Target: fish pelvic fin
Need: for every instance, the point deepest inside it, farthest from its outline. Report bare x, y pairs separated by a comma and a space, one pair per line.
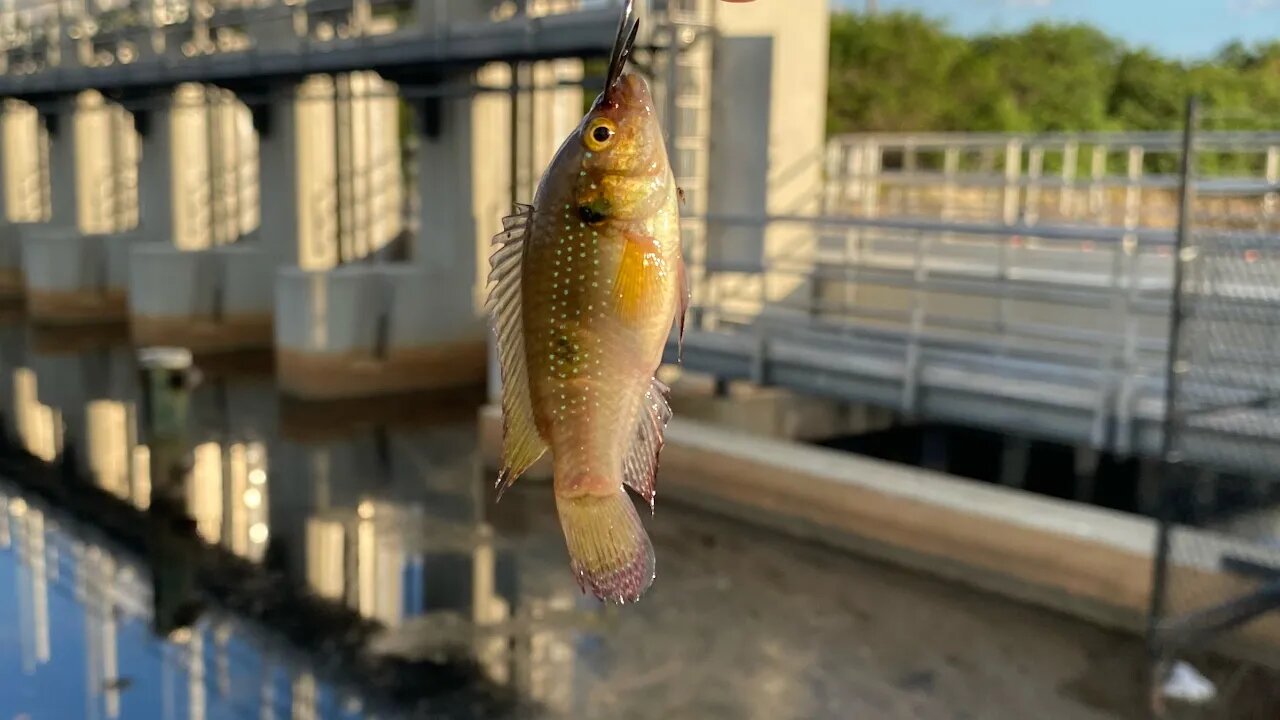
640, 465
638, 284
522, 446
610, 553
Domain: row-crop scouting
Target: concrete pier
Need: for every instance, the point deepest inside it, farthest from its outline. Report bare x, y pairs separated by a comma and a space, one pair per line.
319, 210
197, 278
390, 327
72, 269
75, 279
24, 195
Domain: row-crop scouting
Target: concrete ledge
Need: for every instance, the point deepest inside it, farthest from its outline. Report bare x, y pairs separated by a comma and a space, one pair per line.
426, 307
167, 282
328, 340
1089, 562
116, 249
66, 276
330, 312
184, 299
71, 307
247, 276
12, 236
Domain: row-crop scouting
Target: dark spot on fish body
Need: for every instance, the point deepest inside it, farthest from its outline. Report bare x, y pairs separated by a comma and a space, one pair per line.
594, 212
566, 351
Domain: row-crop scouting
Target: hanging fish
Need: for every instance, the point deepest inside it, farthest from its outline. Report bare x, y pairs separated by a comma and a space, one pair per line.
585, 285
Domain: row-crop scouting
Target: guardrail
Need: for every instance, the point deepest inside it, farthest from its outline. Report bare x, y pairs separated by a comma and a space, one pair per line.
45, 42
1057, 330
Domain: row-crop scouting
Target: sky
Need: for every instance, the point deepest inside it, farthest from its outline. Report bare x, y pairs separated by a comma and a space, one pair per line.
1186, 29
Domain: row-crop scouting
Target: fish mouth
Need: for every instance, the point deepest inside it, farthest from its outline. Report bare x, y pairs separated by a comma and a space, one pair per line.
623, 44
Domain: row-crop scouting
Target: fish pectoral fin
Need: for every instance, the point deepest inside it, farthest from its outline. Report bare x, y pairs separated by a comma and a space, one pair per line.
640, 464
609, 551
521, 443
638, 285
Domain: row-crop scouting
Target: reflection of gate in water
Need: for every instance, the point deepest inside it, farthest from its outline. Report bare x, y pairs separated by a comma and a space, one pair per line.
1217, 575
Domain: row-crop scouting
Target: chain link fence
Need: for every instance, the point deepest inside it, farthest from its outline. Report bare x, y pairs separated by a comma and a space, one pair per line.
1216, 584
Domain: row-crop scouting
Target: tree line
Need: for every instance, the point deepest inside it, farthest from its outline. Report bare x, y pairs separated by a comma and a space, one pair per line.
901, 71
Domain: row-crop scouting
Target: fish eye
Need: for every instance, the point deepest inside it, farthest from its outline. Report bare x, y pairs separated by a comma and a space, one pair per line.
599, 134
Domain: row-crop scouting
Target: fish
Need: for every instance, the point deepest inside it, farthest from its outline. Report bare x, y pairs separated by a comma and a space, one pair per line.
585, 286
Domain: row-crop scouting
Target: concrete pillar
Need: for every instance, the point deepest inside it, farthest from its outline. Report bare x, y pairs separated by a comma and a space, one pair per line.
64, 203
770, 58
92, 158
370, 194
222, 300
24, 178
447, 238
67, 267
24, 191
297, 176
156, 176
359, 331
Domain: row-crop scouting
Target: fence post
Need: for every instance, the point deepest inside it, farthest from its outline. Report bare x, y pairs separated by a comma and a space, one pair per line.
1169, 455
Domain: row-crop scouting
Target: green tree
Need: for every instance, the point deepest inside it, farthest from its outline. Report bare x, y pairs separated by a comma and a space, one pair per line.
1149, 92
889, 72
905, 72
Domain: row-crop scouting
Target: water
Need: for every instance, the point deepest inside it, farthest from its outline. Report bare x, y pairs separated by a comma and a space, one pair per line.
1100, 479
349, 561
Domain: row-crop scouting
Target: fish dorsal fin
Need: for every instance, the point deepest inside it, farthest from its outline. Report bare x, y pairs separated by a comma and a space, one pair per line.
521, 444
640, 465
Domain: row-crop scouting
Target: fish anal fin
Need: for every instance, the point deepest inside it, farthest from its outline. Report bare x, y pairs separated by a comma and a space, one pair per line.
640, 464
522, 446
638, 285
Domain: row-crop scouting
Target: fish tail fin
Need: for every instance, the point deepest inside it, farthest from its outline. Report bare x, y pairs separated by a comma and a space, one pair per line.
609, 550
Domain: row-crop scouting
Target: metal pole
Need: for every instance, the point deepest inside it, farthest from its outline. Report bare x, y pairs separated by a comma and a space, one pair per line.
1168, 453
1186, 193
513, 160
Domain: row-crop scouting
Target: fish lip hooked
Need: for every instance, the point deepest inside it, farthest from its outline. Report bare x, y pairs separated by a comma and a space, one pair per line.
623, 44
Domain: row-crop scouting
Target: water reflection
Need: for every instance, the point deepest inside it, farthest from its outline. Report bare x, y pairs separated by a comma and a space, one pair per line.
98, 658
385, 525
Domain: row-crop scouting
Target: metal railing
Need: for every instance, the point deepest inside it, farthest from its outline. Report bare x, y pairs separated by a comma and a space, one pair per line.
1001, 288
48, 35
